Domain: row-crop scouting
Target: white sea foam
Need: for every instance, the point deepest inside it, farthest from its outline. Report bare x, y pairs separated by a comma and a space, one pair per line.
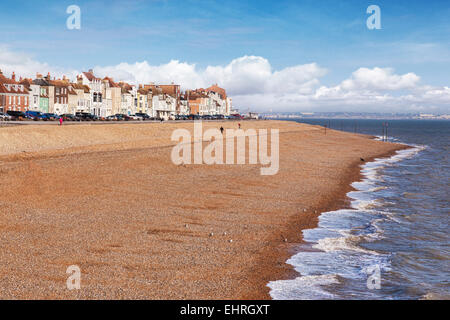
338, 237
303, 288
346, 243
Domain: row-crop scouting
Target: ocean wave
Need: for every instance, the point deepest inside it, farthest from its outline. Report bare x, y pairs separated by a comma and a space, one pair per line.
339, 235
347, 243
303, 288
435, 296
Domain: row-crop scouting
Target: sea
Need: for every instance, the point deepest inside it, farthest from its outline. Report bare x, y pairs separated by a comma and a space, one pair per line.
393, 243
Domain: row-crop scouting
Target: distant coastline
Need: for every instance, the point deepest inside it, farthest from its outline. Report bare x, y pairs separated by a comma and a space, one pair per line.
352, 115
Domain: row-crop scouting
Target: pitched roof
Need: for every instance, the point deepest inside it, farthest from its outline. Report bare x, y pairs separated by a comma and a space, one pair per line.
112, 84
3, 89
126, 88
215, 88
90, 76
9, 88
4, 79
41, 82
26, 82
59, 83
169, 89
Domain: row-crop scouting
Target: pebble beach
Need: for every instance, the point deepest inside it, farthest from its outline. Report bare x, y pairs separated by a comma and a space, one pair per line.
108, 198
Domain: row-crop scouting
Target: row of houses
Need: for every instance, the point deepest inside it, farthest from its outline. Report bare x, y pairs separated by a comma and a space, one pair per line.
104, 97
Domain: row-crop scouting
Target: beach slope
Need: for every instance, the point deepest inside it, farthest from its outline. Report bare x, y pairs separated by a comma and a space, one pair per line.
108, 198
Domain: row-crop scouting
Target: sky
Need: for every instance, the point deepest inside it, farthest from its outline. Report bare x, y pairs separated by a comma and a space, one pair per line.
286, 55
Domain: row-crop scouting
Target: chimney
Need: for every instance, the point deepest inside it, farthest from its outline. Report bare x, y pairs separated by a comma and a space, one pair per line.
38, 76
48, 77
1, 73
13, 77
80, 80
91, 71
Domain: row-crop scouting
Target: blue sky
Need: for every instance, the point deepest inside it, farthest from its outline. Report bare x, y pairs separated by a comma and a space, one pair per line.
415, 35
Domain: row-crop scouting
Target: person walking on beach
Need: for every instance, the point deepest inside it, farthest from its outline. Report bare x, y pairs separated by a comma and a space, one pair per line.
239, 125
61, 121
221, 130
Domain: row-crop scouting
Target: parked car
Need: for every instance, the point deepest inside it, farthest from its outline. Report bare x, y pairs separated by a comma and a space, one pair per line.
5, 117
35, 115
85, 116
193, 117
123, 117
143, 116
16, 115
51, 116
69, 117
111, 118
238, 116
135, 117
180, 117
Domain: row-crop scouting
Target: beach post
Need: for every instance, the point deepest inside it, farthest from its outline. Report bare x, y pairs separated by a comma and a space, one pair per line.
385, 131
387, 125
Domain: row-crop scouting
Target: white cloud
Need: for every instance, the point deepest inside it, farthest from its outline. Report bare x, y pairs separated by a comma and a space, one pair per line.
253, 83
379, 79
242, 76
25, 66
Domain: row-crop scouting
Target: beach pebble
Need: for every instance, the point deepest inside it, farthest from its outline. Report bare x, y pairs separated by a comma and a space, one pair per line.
230, 241
304, 210
186, 226
224, 233
211, 234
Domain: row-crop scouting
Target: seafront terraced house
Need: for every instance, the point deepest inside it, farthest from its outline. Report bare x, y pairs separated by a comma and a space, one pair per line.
96, 90
111, 96
43, 93
61, 98
163, 105
104, 97
33, 93
83, 97
174, 91
142, 100
224, 103
128, 98
165, 101
199, 102
13, 95
184, 105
